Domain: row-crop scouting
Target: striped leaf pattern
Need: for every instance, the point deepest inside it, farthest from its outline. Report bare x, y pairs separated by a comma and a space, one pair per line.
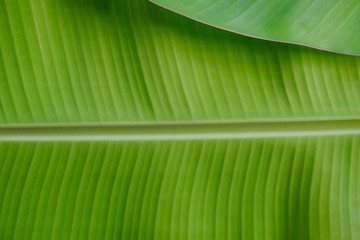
75, 61
123, 120
276, 188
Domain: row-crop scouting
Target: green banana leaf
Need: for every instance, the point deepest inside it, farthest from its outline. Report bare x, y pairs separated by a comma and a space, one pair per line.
130, 61
330, 25
275, 188
123, 120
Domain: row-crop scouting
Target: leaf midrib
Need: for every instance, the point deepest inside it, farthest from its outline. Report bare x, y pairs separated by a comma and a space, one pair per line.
179, 131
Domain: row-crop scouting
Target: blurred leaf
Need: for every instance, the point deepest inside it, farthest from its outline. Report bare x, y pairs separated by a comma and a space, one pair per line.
330, 25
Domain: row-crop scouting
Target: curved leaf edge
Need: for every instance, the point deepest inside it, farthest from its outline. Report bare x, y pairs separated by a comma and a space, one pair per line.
256, 37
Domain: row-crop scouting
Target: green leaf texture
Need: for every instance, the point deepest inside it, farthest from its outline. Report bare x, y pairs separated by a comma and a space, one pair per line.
275, 188
331, 25
130, 61
122, 120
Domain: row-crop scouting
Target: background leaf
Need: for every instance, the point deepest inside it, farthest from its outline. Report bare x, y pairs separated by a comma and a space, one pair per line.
331, 25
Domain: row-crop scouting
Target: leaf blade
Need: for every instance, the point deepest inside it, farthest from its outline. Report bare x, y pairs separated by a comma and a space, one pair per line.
135, 62
331, 26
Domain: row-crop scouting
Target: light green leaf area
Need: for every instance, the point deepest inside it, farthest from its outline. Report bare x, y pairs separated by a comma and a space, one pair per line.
331, 25
276, 188
131, 61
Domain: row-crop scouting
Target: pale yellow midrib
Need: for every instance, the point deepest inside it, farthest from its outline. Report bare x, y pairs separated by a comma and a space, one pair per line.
178, 131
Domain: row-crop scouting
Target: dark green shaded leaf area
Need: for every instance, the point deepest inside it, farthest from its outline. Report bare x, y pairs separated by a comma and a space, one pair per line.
65, 61
330, 25
275, 188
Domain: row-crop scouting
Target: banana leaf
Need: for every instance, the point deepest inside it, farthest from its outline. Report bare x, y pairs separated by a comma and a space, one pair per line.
130, 61
123, 120
329, 25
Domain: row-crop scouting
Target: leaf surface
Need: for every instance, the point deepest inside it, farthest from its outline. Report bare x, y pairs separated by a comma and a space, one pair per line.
130, 61
122, 120
330, 25
275, 188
